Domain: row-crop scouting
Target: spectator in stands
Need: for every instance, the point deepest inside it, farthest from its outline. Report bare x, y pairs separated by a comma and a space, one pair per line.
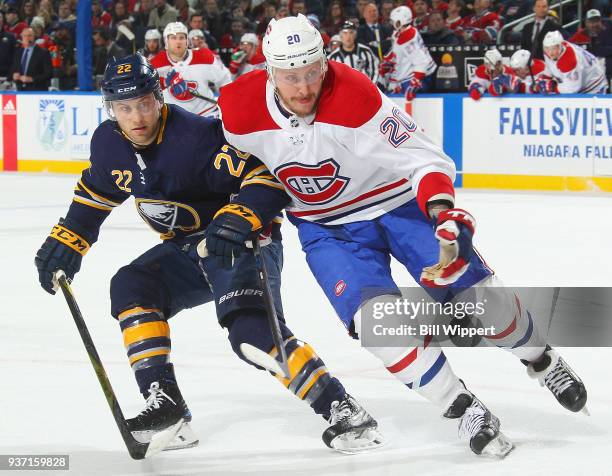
213, 18
63, 59
439, 6
104, 49
7, 49
31, 69
421, 15
184, 10
161, 15
514, 9
12, 24
597, 35
482, 27
231, 41
45, 10
197, 22
454, 20
298, 6
356, 55
359, 8
28, 12
334, 19
269, 12
533, 33
140, 20
119, 15
65, 18
437, 33
99, 18
40, 37
385, 11
373, 34
152, 43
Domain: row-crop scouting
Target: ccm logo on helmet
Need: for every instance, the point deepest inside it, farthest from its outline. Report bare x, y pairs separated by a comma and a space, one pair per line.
125, 90
313, 184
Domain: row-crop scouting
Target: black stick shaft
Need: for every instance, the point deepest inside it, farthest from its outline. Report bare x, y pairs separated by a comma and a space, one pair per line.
136, 449
270, 308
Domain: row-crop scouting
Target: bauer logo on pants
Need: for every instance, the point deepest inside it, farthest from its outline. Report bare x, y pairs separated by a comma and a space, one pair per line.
313, 184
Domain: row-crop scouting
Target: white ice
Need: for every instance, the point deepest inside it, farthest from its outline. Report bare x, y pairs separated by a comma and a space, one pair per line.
51, 402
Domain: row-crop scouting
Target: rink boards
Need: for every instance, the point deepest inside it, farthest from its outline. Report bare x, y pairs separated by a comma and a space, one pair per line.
514, 142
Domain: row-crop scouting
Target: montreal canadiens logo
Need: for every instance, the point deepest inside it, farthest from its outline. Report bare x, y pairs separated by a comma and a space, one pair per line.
339, 287
313, 184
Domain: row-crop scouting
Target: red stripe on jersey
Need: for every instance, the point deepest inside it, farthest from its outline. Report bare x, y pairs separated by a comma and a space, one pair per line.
202, 56
243, 104
349, 98
509, 330
160, 60
406, 35
568, 61
361, 197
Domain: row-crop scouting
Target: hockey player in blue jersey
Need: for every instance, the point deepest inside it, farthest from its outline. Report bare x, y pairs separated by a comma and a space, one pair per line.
182, 173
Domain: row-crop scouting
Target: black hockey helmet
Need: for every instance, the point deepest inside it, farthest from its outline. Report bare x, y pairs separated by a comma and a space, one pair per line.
129, 77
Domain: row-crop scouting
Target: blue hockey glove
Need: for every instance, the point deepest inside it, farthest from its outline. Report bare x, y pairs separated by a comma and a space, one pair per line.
176, 83
454, 229
226, 236
63, 249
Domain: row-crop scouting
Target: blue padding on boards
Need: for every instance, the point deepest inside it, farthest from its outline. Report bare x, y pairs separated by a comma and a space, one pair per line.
452, 132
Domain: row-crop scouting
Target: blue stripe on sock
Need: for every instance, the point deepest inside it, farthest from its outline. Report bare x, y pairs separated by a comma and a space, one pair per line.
433, 371
527, 336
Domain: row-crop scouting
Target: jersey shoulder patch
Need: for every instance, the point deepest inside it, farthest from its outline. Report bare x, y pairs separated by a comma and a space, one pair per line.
406, 35
243, 104
160, 60
568, 61
202, 56
349, 98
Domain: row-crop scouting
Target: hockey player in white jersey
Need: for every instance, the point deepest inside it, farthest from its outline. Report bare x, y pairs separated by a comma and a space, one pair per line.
368, 184
247, 56
409, 65
186, 75
532, 74
492, 76
575, 69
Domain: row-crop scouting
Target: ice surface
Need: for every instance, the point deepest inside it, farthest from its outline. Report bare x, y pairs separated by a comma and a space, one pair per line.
51, 402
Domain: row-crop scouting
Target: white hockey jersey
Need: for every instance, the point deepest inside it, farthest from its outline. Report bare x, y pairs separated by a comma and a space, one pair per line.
577, 71
359, 157
199, 70
411, 56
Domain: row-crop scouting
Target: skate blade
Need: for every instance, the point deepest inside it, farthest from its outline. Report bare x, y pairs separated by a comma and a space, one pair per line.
185, 438
498, 447
161, 438
358, 442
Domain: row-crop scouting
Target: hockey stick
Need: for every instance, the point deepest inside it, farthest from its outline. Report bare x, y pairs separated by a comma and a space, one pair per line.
196, 94
136, 449
277, 336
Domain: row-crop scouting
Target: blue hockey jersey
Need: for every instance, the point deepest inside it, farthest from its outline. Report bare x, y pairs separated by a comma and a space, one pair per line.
178, 182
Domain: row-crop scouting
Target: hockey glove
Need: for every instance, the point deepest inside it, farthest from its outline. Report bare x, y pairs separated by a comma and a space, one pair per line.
476, 91
226, 236
63, 249
414, 85
238, 58
497, 87
454, 229
176, 83
545, 86
387, 65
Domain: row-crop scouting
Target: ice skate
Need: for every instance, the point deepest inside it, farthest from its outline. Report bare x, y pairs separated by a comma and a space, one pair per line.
554, 373
164, 408
352, 429
478, 425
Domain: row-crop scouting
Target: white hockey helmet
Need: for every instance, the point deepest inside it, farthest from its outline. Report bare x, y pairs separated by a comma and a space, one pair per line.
174, 28
400, 16
292, 42
520, 59
250, 38
195, 33
492, 57
552, 38
152, 35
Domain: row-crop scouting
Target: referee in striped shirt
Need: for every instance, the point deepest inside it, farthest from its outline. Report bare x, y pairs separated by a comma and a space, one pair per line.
354, 54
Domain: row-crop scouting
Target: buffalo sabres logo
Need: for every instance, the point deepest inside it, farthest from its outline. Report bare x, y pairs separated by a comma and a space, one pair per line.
166, 217
313, 184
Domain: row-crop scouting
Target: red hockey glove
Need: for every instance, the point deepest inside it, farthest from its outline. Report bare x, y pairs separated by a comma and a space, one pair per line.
454, 229
387, 65
414, 85
476, 91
